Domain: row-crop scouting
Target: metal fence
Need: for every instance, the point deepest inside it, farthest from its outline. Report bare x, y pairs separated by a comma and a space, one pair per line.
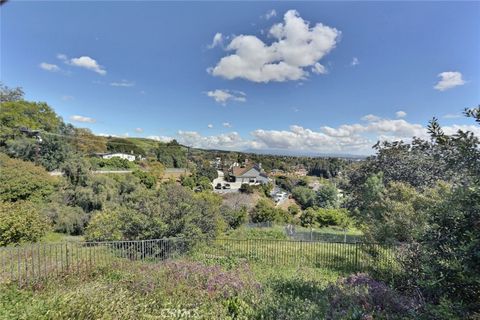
27, 264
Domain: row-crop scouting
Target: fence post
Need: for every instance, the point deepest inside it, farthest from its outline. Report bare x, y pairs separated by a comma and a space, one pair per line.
356, 255
66, 257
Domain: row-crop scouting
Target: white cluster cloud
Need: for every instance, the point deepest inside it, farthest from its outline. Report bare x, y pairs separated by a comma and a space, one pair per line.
160, 138
319, 69
84, 119
210, 126
448, 80
139, 130
85, 62
222, 96
122, 83
49, 67
370, 118
400, 114
356, 138
270, 14
297, 46
227, 125
217, 40
452, 116
228, 141
354, 62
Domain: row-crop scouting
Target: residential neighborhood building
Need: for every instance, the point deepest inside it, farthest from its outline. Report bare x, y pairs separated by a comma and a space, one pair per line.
249, 173
126, 156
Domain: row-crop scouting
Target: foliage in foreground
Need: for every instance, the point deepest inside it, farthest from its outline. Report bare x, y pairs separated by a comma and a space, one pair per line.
185, 289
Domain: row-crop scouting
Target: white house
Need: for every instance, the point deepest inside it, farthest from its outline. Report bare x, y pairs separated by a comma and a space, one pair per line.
251, 174
126, 156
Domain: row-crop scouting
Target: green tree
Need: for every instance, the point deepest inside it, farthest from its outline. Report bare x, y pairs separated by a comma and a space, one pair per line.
105, 226
86, 142
170, 211
31, 115
146, 178
22, 180
66, 219
204, 184
21, 222
332, 217
124, 145
293, 209
188, 182
171, 155
308, 218
10, 94
327, 196
306, 197
234, 217
265, 211
76, 171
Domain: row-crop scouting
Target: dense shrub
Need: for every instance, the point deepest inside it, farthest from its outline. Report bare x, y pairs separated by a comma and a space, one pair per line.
147, 179
446, 264
327, 196
170, 211
22, 180
361, 297
325, 217
265, 211
66, 219
234, 217
305, 196
104, 226
115, 163
21, 222
246, 188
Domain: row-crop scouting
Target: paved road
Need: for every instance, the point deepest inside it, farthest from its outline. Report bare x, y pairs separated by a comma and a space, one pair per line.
59, 173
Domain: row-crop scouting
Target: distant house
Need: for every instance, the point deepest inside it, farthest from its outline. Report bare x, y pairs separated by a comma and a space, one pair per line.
251, 174
126, 156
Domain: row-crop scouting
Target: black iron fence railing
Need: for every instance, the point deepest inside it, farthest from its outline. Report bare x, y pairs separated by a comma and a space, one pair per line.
29, 263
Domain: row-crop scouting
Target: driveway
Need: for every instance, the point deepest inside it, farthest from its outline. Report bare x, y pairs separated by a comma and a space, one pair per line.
234, 186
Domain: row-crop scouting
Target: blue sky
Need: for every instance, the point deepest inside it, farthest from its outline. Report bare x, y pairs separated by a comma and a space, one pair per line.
290, 76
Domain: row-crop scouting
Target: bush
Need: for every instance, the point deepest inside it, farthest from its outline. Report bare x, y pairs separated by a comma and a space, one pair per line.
170, 211
325, 217
234, 217
361, 297
21, 222
327, 196
332, 217
147, 179
304, 196
104, 226
265, 211
113, 163
246, 188
65, 219
22, 180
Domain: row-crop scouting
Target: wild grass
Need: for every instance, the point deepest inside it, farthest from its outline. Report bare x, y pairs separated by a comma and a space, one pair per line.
181, 289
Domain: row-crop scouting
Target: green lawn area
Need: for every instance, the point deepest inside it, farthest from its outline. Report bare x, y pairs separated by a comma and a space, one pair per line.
59, 237
278, 232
